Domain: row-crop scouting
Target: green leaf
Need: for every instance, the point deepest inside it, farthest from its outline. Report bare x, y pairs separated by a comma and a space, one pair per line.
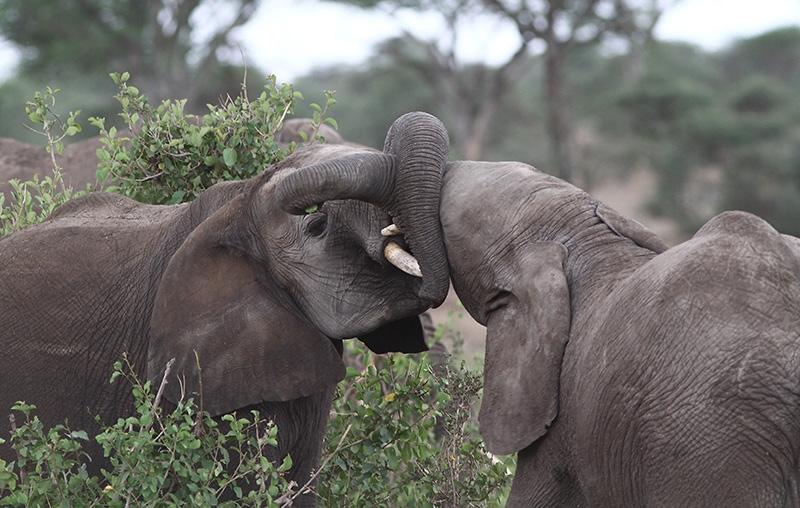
229, 156
332, 122
286, 464
177, 196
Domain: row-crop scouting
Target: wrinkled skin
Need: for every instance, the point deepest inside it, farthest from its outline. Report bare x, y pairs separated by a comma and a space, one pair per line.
625, 373
261, 295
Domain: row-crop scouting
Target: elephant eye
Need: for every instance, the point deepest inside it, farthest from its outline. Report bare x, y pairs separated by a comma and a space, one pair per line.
316, 224
497, 301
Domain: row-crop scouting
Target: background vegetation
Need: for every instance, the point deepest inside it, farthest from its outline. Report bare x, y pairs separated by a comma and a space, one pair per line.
591, 101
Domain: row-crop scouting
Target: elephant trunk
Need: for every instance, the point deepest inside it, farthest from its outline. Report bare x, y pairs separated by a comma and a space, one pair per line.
366, 176
419, 143
405, 180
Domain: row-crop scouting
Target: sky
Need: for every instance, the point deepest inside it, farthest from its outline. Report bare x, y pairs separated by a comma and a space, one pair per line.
291, 37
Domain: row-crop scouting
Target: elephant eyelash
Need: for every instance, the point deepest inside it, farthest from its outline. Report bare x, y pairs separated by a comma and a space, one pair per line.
500, 299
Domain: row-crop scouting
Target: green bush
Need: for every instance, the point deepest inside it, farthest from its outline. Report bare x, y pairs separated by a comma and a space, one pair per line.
158, 459
401, 435
34, 200
169, 156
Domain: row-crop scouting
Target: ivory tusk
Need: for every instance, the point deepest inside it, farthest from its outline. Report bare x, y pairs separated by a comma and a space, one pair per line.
398, 257
390, 230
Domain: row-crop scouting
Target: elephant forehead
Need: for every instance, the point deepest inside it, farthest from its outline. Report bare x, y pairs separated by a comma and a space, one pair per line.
486, 205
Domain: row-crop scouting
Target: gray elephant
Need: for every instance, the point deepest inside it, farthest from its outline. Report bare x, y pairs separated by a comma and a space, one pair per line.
262, 296
290, 132
624, 372
21, 161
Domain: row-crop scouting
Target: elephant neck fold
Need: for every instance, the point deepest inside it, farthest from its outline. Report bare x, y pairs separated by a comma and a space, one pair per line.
598, 259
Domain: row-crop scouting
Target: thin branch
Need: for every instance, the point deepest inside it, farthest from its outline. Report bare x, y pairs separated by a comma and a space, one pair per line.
150, 177
220, 39
322, 466
164, 382
516, 15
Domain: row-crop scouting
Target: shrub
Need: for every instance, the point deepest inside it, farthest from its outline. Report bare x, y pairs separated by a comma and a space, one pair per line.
32, 201
178, 458
169, 156
401, 435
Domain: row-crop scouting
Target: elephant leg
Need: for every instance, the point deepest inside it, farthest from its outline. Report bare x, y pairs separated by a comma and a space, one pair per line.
301, 428
543, 477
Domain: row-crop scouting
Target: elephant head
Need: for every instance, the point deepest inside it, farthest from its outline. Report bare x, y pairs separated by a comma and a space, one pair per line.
404, 180
248, 303
509, 264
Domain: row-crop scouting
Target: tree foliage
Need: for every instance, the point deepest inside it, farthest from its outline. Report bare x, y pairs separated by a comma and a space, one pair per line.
156, 40
175, 48
722, 130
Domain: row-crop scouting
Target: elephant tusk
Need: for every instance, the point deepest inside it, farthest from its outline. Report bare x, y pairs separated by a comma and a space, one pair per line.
400, 258
391, 230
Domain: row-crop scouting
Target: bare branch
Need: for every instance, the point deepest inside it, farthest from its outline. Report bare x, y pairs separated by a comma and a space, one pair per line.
523, 18
220, 38
306, 487
164, 382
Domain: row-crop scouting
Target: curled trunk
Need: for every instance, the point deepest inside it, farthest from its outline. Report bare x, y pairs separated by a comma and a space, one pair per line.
405, 180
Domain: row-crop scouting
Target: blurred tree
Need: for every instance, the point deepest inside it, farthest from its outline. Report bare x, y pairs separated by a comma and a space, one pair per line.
775, 53
469, 95
561, 25
722, 130
165, 44
473, 94
759, 151
369, 97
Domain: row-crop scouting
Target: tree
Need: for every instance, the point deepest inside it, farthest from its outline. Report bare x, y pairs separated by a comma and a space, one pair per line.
561, 25
470, 95
721, 130
155, 40
473, 94
775, 53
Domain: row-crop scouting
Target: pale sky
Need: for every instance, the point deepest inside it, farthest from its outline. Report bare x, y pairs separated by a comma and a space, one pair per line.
291, 37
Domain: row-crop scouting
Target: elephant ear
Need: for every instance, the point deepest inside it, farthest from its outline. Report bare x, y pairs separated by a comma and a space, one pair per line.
525, 341
630, 228
402, 336
233, 340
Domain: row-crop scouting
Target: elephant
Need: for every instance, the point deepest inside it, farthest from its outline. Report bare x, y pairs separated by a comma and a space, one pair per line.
620, 370
290, 132
230, 286
21, 161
